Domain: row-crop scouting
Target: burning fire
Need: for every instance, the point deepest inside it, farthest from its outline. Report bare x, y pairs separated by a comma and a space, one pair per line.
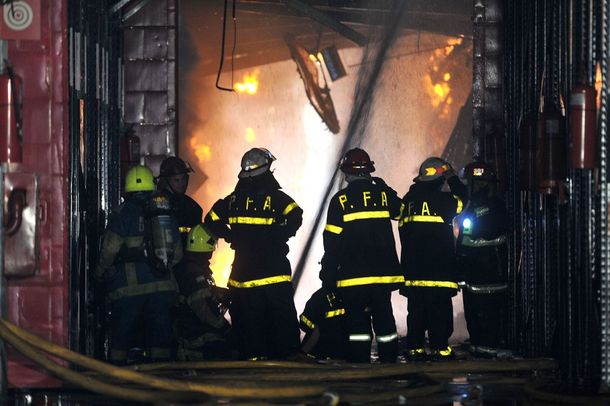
598, 85
249, 84
203, 152
221, 263
250, 137
438, 81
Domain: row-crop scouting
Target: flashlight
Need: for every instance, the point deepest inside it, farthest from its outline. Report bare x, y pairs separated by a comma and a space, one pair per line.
467, 225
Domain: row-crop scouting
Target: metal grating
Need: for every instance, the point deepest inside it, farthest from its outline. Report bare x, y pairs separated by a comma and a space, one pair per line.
603, 215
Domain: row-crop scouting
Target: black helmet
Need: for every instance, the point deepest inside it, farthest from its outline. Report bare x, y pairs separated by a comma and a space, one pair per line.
172, 166
431, 169
255, 162
479, 171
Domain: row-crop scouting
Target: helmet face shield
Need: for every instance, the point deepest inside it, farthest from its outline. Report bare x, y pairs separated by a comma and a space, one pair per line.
255, 162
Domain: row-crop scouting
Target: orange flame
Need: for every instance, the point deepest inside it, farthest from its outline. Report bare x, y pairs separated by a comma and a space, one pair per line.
203, 152
598, 85
249, 84
438, 83
250, 136
221, 264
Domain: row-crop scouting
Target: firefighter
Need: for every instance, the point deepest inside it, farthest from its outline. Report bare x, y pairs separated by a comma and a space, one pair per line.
482, 255
140, 293
258, 219
428, 258
173, 179
323, 322
360, 263
202, 330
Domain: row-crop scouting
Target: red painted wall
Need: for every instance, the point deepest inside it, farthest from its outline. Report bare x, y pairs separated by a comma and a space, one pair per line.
39, 303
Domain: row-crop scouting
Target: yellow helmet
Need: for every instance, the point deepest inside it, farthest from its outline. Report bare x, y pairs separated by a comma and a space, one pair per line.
139, 179
200, 239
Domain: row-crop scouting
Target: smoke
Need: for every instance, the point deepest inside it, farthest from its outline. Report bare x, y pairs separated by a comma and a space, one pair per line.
373, 60
385, 103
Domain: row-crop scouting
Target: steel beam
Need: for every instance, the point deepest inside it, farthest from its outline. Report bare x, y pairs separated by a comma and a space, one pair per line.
326, 20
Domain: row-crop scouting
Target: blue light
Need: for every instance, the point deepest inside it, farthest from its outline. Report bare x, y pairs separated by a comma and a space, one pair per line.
466, 223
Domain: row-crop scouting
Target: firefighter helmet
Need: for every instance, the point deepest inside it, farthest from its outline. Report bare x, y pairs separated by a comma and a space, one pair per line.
479, 171
200, 239
139, 179
255, 162
432, 168
172, 166
356, 161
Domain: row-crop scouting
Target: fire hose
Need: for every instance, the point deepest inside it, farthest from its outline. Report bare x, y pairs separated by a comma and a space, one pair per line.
348, 372
27, 344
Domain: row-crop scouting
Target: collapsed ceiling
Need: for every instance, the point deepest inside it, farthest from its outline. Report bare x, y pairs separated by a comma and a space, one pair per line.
261, 26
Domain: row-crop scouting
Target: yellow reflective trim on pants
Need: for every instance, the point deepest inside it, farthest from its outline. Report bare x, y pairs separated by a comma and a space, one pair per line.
460, 204
333, 229
199, 294
132, 242
290, 208
387, 338
423, 219
362, 215
369, 280
157, 352
260, 282
360, 337
214, 216
307, 322
417, 351
143, 289
130, 274
200, 340
252, 220
334, 313
118, 355
446, 352
183, 229
432, 284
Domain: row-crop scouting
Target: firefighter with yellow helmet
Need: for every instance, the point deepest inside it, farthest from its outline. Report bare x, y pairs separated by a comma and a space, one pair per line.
360, 262
258, 219
428, 259
202, 331
139, 293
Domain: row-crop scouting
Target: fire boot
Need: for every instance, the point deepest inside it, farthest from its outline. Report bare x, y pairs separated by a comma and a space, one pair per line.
442, 355
417, 354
